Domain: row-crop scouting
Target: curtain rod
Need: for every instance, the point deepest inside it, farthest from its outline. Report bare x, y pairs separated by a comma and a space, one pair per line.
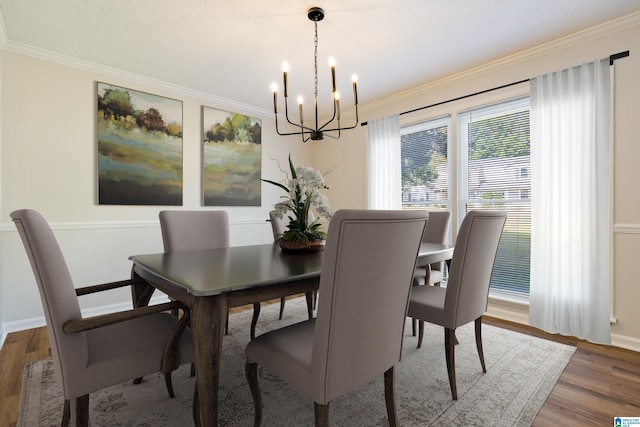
612, 58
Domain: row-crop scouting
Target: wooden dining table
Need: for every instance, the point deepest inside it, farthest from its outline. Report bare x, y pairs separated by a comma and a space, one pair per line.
211, 281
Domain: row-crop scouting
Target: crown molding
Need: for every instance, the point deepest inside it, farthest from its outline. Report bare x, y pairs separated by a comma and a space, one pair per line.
69, 61
574, 39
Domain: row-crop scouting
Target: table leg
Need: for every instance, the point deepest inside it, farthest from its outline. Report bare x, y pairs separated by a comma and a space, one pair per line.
141, 291
208, 315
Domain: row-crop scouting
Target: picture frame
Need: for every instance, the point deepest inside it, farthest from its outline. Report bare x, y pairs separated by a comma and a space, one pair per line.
139, 147
231, 158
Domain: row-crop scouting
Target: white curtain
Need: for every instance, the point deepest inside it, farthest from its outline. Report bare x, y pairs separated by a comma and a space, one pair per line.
570, 160
383, 176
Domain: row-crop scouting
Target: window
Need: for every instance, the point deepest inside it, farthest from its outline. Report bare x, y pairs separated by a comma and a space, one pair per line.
424, 165
493, 164
494, 147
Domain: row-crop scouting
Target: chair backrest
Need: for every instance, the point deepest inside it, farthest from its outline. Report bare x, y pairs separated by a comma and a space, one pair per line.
193, 230
57, 293
471, 266
437, 231
279, 225
367, 272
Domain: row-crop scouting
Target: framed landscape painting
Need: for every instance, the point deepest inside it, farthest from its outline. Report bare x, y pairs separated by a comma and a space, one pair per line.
139, 147
231, 159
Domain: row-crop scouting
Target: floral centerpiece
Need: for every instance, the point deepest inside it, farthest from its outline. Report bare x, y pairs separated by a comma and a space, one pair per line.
303, 191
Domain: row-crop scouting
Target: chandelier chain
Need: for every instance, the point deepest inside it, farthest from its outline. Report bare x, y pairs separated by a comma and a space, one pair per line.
315, 59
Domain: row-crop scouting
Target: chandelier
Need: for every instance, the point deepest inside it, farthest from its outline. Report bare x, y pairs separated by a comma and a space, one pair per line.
332, 126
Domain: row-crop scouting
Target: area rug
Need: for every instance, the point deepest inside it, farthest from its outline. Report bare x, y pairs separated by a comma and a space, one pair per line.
521, 372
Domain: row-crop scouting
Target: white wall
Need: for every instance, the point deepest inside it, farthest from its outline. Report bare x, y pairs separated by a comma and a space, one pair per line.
48, 151
599, 42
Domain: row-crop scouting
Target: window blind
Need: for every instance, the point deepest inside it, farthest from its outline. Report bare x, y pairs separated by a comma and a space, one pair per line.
495, 173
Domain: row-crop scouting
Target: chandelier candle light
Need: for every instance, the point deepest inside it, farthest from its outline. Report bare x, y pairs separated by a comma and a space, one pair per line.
315, 14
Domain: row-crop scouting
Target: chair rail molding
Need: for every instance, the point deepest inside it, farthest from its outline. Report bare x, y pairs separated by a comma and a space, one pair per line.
626, 228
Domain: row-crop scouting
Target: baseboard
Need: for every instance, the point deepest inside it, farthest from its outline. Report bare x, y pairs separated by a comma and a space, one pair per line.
36, 322
518, 313
626, 342
3, 334
513, 311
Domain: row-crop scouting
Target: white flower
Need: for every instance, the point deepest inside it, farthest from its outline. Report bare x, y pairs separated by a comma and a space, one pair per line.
303, 191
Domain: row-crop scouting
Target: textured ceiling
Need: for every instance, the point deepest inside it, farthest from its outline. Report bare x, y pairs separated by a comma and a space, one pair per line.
234, 49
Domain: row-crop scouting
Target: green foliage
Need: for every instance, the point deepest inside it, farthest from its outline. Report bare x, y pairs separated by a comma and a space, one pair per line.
116, 103
421, 153
235, 128
238, 121
500, 137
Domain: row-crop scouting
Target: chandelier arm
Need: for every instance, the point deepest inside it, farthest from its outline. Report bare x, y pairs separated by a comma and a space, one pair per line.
302, 133
298, 125
321, 128
339, 128
332, 136
331, 120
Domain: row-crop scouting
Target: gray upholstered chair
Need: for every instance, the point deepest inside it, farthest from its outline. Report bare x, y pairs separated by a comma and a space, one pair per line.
93, 353
465, 298
357, 335
194, 230
437, 231
279, 226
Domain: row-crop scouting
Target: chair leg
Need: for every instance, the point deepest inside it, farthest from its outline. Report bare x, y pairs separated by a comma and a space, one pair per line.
420, 332
479, 343
414, 324
315, 299
80, 411
251, 372
389, 397
169, 384
226, 325
309, 297
282, 302
66, 413
321, 414
449, 344
254, 319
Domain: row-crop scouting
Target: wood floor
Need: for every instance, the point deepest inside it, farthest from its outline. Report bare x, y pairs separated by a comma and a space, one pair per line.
598, 384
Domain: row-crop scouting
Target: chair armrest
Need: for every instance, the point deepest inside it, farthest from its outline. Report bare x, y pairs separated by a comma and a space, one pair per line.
81, 325
103, 287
